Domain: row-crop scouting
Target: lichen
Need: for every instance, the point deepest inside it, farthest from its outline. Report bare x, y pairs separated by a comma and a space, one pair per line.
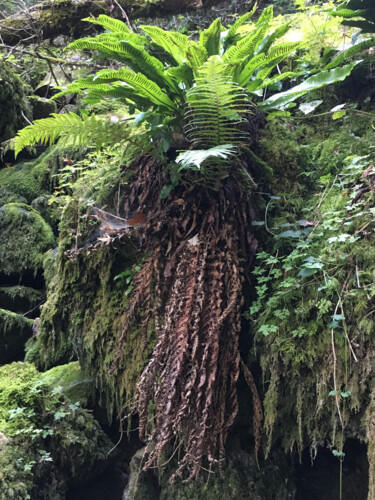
25, 236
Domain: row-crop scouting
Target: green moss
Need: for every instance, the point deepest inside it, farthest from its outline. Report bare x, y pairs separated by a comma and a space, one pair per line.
7, 197
25, 236
50, 442
42, 107
13, 103
74, 383
14, 331
19, 298
38, 177
241, 479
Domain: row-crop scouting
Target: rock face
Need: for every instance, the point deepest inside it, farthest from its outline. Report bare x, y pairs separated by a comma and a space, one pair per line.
65, 16
13, 103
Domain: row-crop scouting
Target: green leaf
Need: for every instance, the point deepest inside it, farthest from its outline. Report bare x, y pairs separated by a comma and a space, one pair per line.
338, 114
196, 55
141, 84
108, 23
349, 53
195, 158
172, 42
313, 82
210, 38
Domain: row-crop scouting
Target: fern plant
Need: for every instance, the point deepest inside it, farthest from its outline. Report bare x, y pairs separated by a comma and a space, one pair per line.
207, 85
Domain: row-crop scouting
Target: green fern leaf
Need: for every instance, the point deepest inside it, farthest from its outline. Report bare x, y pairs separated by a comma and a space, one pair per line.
240, 22
247, 46
267, 61
196, 55
172, 42
216, 106
71, 129
108, 23
195, 158
141, 84
210, 38
345, 55
282, 99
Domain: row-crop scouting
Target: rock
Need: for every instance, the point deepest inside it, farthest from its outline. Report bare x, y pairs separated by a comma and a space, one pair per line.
24, 238
14, 331
141, 486
13, 103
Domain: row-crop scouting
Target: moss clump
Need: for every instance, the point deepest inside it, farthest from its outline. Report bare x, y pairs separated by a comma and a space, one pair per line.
7, 197
50, 441
13, 103
25, 236
19, 299
14, 331
38, 177
74, 383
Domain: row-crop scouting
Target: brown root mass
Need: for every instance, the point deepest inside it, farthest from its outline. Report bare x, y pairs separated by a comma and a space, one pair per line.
189, 290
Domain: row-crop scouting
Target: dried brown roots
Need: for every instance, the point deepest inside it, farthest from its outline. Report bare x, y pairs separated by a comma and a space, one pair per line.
190, 290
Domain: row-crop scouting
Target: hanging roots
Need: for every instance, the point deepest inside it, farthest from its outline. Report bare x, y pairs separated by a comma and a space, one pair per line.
190, 290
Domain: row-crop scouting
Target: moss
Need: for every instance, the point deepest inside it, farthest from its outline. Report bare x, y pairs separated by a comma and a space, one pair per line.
25, 236
42, 107
19, 299
241, 479
13, 103
14, 331
7, 197
73, 382
50, 443
33, 179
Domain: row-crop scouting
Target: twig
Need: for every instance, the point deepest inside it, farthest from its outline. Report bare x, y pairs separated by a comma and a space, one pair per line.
124, 15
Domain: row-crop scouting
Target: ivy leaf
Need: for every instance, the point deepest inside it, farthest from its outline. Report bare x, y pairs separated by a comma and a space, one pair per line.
306, 272
338, 317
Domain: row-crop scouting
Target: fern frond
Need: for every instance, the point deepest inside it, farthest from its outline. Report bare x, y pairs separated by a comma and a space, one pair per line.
196, 55
240, 22
70, 128
141, 84
108, 23
210, 38
195, 158
216, 106
266, 61
172, 42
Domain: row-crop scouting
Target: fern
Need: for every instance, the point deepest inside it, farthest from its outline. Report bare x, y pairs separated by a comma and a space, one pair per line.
70, 128
266, 61
195, 158
108, 23
142, 86
172, 42
210, 38
216, 106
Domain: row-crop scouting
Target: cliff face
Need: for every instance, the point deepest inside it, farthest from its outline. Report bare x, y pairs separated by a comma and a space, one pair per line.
68, 270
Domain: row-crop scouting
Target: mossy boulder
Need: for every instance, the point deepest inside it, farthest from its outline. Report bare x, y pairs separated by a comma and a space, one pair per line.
74, 383
32, 179
13, 103
25, 236
48, 442
14, 331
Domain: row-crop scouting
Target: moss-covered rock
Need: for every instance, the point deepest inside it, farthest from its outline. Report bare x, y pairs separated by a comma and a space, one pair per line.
25, 236
50, 442
42, 107
14, 331
74, 383
13, 103
38, 177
